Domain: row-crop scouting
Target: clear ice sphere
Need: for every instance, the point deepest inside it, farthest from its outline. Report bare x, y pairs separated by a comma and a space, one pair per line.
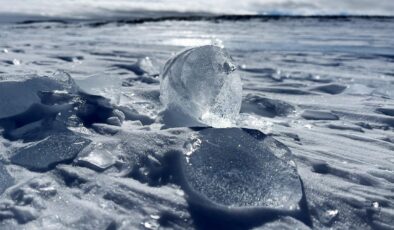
202, 83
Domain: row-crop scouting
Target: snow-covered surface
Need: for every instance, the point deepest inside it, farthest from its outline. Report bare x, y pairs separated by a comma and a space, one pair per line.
323, 87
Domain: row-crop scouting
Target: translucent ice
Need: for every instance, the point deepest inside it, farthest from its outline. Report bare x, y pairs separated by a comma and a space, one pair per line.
201, 83
147, 67
65, 80
97, 158
102, 85
236, 169
18, 93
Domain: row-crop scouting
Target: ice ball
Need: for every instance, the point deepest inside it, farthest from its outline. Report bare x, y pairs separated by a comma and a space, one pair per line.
202, 84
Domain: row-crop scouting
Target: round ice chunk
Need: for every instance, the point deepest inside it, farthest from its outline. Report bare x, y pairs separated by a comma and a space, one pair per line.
240, 169
202, 84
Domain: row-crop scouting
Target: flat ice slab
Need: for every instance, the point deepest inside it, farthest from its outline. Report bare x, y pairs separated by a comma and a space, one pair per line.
45, 154
16, 96
236, 168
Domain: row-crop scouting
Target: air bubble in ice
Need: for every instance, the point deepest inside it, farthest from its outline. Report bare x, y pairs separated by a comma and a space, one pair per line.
202, 83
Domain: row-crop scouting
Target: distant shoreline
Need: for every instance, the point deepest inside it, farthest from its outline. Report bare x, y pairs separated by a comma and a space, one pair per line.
143, 17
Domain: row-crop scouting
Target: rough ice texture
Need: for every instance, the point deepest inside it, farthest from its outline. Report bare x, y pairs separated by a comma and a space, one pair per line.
240, 168
44, 155
234, 173
201, 83
36, 104
5, 178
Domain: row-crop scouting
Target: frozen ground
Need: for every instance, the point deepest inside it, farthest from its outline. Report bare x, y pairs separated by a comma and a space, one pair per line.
321, 86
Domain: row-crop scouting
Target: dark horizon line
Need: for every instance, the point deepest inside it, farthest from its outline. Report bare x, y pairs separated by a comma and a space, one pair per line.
198, 17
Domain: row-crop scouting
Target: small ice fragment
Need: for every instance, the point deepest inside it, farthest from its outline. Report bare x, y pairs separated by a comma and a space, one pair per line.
327, 215
146, 65
119, 114
65, 79
255, 122
277, 76
217, 42
5, 51
102, 85
147, 225
375, 204
143, 67
192, 145
98, 159
77, 59
150, 225
180, 192
114, 121
202, 84
16, 62
332, 212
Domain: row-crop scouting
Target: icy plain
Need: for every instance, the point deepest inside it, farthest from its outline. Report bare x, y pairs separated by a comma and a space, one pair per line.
312, 147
